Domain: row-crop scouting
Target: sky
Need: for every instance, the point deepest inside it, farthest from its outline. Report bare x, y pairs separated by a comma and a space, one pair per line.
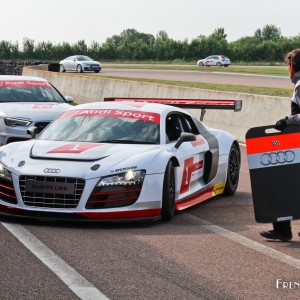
96, 20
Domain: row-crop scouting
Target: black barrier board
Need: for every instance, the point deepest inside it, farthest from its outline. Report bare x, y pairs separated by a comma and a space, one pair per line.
274, 166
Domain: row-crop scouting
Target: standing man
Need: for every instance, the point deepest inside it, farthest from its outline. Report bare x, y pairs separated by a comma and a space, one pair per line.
282, 230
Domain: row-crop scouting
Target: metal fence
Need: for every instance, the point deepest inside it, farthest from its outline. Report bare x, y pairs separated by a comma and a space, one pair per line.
11, 67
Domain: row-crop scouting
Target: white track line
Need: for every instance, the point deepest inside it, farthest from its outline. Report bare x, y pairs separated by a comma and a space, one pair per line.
289, 260
77, 283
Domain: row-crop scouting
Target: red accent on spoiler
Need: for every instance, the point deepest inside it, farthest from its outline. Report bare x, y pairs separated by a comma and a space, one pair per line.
235, 105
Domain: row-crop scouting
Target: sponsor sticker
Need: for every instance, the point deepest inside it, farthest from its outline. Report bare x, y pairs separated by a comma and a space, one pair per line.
21, 83
115, 113
42, 106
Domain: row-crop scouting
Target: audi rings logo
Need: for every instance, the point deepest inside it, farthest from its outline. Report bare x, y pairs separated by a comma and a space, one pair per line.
52, 170
276, 158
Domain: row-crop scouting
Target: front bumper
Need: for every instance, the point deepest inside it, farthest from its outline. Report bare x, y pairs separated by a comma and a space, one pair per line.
135, 215
14, 201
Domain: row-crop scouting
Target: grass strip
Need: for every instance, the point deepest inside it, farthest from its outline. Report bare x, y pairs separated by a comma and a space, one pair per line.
280, 92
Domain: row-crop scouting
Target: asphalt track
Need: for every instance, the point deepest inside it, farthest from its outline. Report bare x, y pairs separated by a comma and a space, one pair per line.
202, 76
210, 251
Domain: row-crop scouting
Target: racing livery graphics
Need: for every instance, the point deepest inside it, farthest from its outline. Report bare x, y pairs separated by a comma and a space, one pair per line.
116, 160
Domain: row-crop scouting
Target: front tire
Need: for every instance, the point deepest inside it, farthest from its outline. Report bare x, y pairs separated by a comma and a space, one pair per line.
168, 195
233, 170
79, 69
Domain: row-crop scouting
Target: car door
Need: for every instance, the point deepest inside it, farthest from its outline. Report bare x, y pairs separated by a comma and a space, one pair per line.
73, 63
209, 61
190, 155
67, 63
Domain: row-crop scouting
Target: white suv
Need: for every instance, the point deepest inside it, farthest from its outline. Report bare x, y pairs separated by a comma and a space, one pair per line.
214, 60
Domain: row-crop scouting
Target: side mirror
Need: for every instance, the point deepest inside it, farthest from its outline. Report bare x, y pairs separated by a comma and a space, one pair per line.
69, 99
185, 137
34, 131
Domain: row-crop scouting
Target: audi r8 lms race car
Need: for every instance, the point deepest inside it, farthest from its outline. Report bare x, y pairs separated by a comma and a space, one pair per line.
27, 101
121, 159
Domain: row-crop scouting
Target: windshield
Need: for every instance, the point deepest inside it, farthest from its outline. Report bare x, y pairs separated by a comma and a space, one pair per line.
83, 58
28, 91
104, 126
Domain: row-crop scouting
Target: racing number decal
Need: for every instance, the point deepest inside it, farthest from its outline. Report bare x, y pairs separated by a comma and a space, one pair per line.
74, 148
189, 168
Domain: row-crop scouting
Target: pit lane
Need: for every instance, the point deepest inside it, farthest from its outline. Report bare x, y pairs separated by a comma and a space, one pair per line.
210, 251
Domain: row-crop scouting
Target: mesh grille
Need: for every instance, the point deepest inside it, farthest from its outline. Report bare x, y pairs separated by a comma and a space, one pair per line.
51, 192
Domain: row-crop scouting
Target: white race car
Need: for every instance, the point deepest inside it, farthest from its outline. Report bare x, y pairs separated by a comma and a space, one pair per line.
126, 159
27, 101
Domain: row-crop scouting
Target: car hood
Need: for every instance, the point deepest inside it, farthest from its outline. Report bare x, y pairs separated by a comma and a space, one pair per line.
91, 62
33, 110
77, 159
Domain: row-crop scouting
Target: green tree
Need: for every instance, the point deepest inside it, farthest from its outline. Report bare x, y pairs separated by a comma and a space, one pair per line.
6, 50
44, 50
80, 47
269, 32
28, 48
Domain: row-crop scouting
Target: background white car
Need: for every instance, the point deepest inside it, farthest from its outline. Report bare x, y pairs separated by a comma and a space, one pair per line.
79, 63
27, 101
214, 60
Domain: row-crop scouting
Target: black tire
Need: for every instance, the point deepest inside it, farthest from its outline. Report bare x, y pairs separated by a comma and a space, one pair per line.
201, 64
79, 69
168, 195
97, 71
233, 170
62, 69
218, 64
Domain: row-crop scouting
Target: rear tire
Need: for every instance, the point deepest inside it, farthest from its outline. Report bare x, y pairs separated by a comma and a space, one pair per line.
233, 171
218, 64
62, 69
168, 195
201, 64
79, 69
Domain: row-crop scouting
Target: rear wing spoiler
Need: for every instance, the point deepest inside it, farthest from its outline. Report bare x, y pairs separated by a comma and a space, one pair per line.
203, 104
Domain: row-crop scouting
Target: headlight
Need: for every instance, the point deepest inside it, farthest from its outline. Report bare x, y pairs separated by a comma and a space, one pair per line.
131, 177
4, 173
86, 65
14, 122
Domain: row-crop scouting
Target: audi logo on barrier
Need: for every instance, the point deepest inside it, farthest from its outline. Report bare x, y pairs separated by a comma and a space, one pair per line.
279, 157
52, 170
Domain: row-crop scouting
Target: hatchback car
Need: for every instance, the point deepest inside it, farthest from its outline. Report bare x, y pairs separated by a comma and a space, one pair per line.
27, 101
214, 60
79, 63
